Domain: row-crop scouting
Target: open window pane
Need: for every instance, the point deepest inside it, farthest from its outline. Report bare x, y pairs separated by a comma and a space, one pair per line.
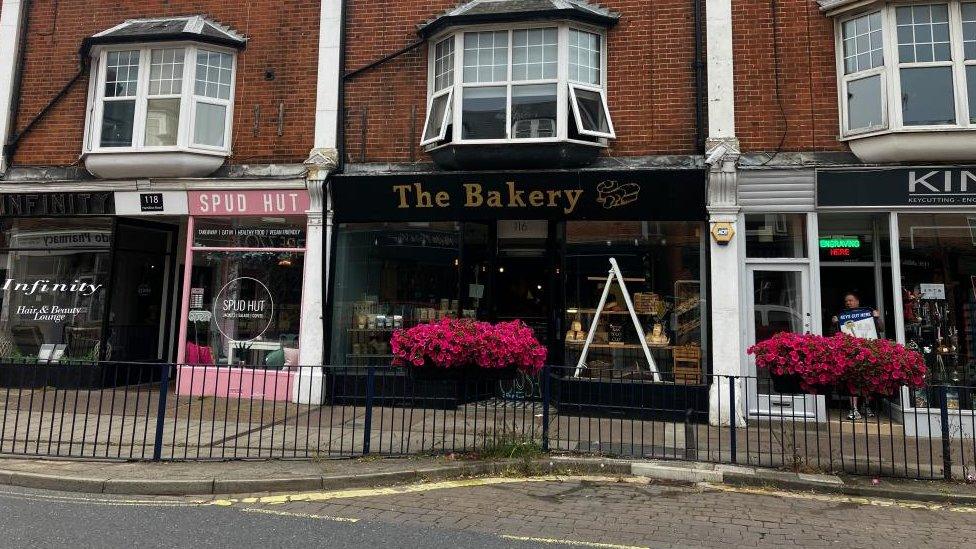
162, 122
864, 101
209, 124
534, 111
117, 119
590, 109
436, 125
483, 113
927, 96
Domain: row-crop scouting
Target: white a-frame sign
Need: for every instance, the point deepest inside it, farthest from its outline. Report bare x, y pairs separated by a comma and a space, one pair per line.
615, 274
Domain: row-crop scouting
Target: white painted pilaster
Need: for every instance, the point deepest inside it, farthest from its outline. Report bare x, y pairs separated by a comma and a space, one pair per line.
722, 155
719, 66
11, 16
322, 161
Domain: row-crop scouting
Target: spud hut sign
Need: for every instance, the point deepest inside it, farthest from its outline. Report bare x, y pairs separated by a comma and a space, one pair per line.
619, 194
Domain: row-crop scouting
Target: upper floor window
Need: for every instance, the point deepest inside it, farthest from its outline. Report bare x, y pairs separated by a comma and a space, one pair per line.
162, 97
907, 68
526, 84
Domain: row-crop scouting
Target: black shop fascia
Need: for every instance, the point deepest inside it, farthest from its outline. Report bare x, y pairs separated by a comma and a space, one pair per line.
410, 248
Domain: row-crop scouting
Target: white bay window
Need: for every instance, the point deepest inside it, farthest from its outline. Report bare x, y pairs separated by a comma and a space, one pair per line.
906, 78
147, 99
541, 83
160, 97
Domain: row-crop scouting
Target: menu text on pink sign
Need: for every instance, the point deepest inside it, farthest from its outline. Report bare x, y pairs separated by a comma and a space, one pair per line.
283, 202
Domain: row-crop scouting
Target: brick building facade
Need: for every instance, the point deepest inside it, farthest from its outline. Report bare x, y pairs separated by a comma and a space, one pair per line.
172, 156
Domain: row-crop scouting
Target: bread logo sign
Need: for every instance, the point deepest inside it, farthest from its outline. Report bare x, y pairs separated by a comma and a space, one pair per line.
612, 194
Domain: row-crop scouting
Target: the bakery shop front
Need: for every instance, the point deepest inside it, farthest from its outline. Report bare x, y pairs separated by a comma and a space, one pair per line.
411, 248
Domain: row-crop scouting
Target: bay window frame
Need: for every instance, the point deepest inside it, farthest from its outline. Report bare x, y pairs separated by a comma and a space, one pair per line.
188, 100
890, 71
561, 83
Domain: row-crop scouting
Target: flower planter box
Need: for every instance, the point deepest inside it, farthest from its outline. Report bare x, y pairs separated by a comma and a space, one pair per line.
77, 375
631, 399
412, 387
234, 382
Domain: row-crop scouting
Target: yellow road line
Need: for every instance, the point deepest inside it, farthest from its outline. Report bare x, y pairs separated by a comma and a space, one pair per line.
98, 501
388, 491
298, 515
836, 498
577, 543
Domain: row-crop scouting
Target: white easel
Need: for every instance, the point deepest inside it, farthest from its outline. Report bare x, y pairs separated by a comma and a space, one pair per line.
615, 273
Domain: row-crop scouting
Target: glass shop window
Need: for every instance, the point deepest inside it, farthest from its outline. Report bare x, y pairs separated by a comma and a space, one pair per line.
245, 308
389, 276
662, 267
776, 235
53, 286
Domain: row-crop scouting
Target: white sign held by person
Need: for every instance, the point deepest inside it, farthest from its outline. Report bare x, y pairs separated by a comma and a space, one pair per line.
858, 322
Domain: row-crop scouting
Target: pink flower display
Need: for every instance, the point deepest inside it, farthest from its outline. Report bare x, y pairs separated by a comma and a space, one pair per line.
856, 366
457, 343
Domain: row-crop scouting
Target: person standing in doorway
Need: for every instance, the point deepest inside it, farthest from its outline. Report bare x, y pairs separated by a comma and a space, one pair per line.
857, 321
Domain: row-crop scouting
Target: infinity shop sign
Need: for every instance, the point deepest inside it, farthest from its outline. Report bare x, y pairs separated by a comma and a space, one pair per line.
49, 313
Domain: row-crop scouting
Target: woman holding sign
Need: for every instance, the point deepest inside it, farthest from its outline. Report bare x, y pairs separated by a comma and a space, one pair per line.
862, 322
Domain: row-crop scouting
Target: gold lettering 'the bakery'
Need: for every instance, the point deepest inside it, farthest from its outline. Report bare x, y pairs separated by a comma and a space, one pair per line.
475, 196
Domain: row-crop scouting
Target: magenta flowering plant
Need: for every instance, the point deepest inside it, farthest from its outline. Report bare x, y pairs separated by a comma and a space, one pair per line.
853, 365
457, 343
510, 344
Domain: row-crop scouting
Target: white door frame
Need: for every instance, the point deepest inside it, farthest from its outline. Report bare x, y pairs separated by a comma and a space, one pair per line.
800, 407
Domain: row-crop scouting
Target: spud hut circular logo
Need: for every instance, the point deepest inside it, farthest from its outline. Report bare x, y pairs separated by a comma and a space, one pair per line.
244, 307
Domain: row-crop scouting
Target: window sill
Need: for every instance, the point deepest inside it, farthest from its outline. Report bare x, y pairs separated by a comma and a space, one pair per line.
180, 163
943, 145
505, 156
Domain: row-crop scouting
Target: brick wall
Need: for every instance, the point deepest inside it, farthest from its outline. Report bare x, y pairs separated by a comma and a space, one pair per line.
805, 116
283, 36
650, 65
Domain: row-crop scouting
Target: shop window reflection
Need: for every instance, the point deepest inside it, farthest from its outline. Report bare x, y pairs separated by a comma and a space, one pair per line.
395, 275
776, 235
53, 286
245, 308
662, 266
938, 267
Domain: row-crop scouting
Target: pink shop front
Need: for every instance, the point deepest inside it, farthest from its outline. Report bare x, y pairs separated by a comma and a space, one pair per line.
242, 297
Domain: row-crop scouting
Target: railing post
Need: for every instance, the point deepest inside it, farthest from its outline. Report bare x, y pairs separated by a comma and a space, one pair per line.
733, 419
161, 413
368, 424
946, 442
545, 408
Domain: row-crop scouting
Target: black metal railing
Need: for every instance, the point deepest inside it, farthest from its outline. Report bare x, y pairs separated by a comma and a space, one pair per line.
136, 411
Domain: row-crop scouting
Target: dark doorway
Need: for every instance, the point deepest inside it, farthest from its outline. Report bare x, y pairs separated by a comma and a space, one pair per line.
837, 280
142, 292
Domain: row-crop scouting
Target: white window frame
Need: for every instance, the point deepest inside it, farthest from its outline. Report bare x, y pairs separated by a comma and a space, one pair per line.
890, 71
448, 110
188, 100
562, 83
573, 86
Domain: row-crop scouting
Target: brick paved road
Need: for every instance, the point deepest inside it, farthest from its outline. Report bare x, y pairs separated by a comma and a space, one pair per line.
648, 515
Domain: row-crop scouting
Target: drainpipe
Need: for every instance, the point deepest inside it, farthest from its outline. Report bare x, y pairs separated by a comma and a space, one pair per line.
321, 163
13, 38
699, 80
726, 259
